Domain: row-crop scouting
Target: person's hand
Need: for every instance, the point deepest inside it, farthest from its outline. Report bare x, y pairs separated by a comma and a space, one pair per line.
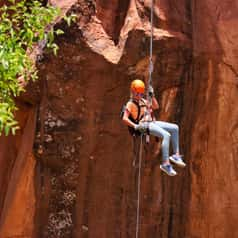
151, 91
141, 128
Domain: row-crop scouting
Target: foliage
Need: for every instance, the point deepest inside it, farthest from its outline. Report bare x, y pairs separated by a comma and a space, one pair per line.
23, 24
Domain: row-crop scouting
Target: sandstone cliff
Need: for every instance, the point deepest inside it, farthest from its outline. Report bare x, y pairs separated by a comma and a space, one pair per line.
75, 178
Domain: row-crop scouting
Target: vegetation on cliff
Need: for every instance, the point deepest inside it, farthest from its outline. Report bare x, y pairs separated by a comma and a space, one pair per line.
23, 25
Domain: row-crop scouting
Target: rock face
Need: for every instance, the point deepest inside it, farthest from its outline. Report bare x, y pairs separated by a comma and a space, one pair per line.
84, 184
212, 121
17, 178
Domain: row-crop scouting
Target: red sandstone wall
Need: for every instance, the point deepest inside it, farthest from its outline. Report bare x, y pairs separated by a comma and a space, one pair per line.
84, 184
213, 120
17, 178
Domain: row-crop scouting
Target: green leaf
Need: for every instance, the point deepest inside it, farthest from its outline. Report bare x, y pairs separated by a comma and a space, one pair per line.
4, 63
55, 48
68, 20
59, 32
14, 129
7, 129
73, 17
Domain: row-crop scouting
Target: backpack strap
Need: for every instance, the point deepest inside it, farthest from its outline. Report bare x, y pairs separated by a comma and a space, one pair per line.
132, 131
139, 117
138, 110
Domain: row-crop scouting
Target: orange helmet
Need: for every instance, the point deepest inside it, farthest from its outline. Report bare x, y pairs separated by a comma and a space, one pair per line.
137, 86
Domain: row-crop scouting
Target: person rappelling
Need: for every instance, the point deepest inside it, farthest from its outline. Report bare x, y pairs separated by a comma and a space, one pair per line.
138, 116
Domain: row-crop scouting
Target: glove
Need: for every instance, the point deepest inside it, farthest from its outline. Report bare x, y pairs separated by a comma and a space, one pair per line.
141, 128
151, 91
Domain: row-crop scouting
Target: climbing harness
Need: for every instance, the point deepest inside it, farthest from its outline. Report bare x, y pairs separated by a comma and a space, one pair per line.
149, 100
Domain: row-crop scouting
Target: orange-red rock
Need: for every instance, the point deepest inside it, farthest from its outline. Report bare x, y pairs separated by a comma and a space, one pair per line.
84, 181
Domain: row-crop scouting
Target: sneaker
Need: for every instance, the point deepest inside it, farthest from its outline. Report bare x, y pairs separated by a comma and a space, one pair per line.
168, 169
177, 160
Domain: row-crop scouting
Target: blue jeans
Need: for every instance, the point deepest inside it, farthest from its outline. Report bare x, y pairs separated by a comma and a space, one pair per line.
165, 130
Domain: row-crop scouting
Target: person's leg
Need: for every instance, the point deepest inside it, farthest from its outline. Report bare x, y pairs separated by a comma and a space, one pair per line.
157, 131
174, 130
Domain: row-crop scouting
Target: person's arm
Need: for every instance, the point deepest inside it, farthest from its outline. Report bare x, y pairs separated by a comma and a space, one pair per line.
155, 104
126, 115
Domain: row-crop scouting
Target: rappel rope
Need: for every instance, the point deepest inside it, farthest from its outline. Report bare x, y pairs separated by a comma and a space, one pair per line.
138, 188
151, 66
149, 100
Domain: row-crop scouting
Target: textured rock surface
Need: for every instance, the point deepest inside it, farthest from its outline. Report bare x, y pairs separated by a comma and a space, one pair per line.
17, 178
84, 182
212, 121
86, 86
